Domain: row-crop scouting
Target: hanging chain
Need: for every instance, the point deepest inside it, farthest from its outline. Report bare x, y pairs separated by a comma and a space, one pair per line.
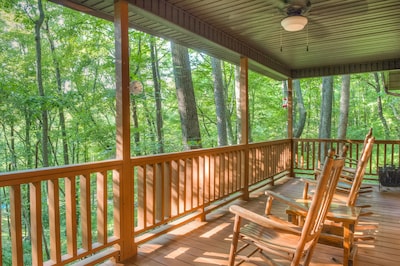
307, 37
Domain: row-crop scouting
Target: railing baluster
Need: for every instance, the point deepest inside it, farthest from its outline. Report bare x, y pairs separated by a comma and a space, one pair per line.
175, 188
207, 181
85, 208
141, 197
54, 219
102, 207
150, 194
158, 217
71, 215
35, 193
182, 186
196, 182
16, 226
167, 189
217, 176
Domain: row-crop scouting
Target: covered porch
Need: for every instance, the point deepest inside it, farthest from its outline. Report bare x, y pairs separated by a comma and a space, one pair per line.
171, 209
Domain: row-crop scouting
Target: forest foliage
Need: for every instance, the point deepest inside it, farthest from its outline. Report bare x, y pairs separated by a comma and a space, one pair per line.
73, 105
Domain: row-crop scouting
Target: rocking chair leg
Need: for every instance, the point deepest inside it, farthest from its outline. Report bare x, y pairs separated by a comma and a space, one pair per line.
235, 239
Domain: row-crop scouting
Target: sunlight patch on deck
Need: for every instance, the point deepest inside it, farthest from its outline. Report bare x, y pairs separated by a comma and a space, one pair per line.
185, 229
149, 248
176, 253
215, 230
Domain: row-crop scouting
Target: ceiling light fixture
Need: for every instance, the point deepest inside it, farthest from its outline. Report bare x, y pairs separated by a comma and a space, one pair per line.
294, 23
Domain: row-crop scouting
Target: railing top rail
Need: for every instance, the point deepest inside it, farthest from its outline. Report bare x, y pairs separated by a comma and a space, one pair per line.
200, 152
34, 175
346, 140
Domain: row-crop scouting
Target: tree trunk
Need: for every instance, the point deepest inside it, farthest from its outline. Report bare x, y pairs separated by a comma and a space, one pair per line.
238, 111
344, 107
230, 109
377, 87
136, 133
157, 95
326, 112
299, 108
12, 166
135, 88
60, 95
186, 98
45, 123
219, 102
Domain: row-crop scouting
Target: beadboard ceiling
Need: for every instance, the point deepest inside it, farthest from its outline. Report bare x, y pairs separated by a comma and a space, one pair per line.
342, 36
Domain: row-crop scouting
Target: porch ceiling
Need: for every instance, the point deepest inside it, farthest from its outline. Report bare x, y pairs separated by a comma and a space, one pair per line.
343, 36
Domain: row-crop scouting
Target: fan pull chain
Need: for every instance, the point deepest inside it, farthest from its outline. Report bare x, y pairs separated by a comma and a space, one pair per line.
281, 40
307, 38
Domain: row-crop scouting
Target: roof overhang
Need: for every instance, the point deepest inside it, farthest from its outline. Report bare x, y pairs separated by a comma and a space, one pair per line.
343, 36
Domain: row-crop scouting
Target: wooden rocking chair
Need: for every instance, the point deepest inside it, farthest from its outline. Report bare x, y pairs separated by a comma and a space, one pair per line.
349, 185
333, 233
278, 239
349, 172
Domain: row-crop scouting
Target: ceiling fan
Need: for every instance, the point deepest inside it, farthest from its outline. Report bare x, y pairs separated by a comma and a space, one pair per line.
295, 11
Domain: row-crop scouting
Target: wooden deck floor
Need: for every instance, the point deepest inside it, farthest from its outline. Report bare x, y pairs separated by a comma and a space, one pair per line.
208, 243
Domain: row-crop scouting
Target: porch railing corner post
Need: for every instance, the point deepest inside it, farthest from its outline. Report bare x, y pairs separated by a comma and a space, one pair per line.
124, 212
290, 124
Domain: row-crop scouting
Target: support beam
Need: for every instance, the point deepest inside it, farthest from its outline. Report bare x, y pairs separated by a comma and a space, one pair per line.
290, 122
123, 181
244, 115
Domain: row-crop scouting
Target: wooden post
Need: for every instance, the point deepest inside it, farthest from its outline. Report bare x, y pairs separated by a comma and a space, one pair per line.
123, 180
290, 123
244, 103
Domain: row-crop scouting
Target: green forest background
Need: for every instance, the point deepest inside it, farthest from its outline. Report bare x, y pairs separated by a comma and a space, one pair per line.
65, 82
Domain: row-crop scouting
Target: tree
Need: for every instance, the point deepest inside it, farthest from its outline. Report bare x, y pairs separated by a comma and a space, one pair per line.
326, 111
56, 64
186, 98
220, 105
39, 79
377, 87
326, 107
344, 107
298, 110
238, 105
157, 95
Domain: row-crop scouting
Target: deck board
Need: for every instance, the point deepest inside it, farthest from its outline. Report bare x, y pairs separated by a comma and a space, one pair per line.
208, 243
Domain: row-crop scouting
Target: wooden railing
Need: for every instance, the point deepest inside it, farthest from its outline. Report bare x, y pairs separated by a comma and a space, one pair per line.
183, 186
69, 211
308, 154
71, 214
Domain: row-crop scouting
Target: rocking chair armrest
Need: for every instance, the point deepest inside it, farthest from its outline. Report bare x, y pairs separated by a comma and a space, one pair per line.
263, 220
348, 173
307, 183
288, 201
344, 181
351, 160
